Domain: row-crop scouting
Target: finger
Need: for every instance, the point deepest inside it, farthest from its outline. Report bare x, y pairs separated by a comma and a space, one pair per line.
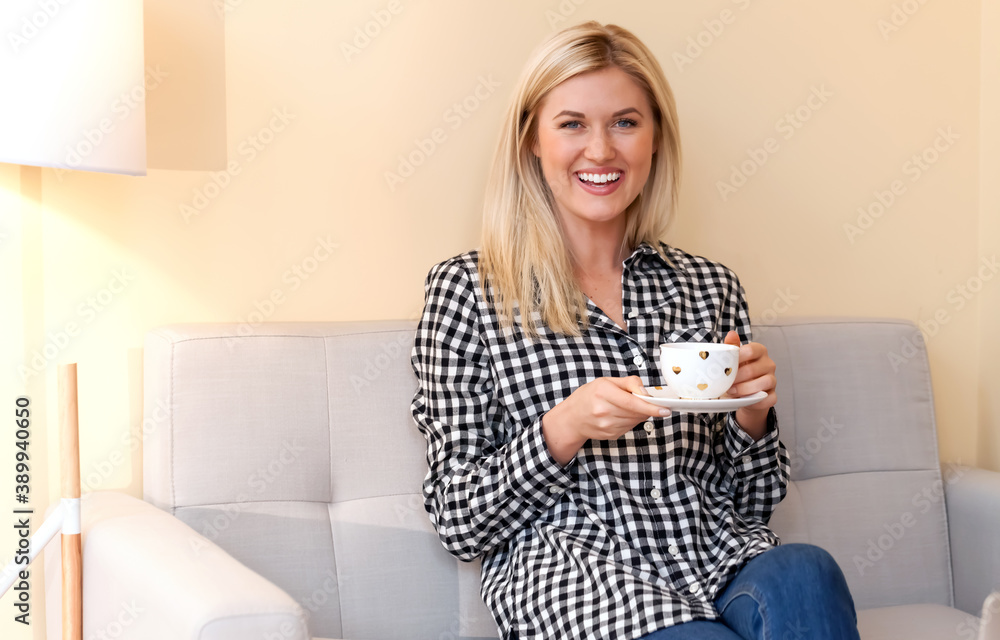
752, 351
749, 371
634, 385
765, 382
630, 405
732, 338
638, 406
630, 384
754, 369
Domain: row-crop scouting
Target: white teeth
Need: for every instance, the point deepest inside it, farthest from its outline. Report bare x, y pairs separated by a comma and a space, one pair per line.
599, 178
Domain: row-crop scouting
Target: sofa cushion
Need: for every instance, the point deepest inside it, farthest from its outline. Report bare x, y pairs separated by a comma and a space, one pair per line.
917, 622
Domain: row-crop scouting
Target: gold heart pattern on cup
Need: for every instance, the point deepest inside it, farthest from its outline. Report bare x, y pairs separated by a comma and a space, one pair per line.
703, 354
729, 370
677, 369
702, 386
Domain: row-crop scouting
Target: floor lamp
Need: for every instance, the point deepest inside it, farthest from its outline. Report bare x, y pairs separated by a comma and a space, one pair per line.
66, 516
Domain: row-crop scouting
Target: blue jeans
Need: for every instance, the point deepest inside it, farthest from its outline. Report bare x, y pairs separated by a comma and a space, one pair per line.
790, 592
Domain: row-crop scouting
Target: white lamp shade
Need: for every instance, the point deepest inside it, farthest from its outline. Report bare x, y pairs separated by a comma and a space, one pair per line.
72, 85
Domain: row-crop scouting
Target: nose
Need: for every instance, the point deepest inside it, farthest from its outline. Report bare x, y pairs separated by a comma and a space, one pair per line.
599, 146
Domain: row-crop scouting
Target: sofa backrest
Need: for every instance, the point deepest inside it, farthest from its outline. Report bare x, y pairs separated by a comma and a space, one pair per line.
291, 446
856, 413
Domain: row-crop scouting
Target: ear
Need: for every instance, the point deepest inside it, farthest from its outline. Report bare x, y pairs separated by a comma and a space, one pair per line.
536, 148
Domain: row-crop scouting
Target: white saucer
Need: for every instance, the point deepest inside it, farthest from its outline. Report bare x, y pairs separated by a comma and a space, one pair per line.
666, 397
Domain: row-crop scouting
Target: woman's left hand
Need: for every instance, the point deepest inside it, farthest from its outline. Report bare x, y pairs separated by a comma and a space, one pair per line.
755, 373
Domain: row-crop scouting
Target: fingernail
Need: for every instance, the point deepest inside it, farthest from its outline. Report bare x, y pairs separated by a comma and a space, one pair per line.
664, 412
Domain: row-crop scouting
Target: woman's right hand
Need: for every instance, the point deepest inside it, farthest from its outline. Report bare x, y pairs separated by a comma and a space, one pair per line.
602, 409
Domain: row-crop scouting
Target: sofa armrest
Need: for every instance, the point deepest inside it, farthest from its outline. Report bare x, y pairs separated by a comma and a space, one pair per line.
989, 628
972, 497
147, 575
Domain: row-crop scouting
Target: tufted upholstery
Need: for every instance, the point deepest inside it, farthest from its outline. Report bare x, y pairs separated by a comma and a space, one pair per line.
293, 450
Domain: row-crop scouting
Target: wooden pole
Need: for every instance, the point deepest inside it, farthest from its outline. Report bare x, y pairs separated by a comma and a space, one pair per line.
72, 559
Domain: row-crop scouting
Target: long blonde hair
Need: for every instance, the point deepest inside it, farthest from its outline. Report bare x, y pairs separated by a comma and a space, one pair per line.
523, 261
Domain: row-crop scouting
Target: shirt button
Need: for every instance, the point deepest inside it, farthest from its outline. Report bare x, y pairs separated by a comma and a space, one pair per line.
695, 588
746, 459
655, 494
638, 361
633, 314
650, 426
554, 489
673, 550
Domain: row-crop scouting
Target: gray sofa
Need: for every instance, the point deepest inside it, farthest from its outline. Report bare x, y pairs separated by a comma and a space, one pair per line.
282, 476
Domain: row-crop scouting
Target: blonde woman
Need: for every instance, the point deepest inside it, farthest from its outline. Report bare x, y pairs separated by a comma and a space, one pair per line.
598, 514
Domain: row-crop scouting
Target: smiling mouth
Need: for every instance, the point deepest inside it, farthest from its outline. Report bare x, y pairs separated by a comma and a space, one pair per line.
598, 180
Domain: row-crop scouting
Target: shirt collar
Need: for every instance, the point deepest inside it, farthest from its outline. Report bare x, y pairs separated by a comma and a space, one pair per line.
647, 251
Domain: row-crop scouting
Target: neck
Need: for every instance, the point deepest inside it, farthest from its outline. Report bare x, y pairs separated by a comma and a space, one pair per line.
597, 248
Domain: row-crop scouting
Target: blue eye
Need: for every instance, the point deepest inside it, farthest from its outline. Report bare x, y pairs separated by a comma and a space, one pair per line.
624, 123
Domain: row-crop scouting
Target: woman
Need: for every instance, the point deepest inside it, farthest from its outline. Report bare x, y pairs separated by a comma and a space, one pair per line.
598, 514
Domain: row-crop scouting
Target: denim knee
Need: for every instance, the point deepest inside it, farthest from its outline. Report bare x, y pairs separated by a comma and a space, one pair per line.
793, 568
810, 555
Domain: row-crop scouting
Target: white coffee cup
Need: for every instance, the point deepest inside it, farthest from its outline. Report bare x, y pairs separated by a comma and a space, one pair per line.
699, 370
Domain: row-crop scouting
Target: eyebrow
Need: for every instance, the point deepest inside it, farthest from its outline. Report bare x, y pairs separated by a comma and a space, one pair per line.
577, 114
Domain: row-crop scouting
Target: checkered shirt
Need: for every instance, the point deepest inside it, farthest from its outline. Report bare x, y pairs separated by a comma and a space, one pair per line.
632, 535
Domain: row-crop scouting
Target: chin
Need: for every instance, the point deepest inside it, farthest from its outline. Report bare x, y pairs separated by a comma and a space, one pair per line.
603, 214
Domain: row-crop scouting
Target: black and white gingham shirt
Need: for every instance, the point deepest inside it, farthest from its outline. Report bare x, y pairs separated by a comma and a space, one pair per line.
632, 535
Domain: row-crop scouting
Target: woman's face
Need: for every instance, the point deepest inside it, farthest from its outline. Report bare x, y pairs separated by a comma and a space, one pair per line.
596, 139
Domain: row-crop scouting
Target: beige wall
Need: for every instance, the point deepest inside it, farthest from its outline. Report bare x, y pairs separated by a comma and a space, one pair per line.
989, 240
117, 256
